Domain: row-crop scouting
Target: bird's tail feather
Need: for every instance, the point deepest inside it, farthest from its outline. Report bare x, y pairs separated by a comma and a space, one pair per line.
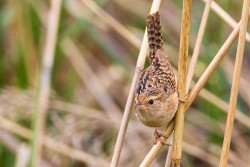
155, 40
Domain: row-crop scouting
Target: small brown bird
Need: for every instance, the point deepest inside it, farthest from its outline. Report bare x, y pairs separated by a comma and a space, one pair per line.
156, 96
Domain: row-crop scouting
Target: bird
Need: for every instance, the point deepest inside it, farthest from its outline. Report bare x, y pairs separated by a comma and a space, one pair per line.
156, 95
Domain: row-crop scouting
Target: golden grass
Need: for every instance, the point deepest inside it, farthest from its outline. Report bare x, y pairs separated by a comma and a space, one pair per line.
182, 78
135, 41
198, 44
235, 85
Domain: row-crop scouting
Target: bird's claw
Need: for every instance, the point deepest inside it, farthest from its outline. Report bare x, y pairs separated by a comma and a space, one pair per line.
160, 137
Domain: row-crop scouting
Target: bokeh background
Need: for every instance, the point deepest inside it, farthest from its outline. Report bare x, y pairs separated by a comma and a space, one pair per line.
92, 72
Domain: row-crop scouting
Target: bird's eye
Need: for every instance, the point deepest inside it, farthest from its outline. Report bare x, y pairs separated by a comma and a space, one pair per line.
151, 101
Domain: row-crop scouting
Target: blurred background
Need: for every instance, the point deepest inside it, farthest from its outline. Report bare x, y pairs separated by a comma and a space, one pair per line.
92, 71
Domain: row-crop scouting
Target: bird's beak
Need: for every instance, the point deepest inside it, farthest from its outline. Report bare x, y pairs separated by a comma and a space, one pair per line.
137, 104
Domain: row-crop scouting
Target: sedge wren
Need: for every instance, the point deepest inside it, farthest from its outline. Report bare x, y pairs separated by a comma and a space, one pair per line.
156, 96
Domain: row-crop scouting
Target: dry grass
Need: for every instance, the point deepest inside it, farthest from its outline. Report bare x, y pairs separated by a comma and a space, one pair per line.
198, 44
182, 78
235, 85
93, 70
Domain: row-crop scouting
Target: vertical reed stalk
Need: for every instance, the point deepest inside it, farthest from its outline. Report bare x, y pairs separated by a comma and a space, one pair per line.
198, 44
170, 153
140, 64
43, 92
235, 85
182, 74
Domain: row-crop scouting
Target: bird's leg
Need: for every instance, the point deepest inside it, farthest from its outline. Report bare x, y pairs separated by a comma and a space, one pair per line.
159, 137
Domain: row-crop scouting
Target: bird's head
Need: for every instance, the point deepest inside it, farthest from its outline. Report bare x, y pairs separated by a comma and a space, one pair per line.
154, 107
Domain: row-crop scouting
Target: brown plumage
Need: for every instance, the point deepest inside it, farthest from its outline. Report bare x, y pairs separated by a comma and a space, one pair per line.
156, 97
155, 41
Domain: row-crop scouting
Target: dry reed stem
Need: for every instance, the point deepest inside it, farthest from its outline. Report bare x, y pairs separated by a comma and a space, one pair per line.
198, 44
212, 66
109, 20
182, 76
124, 123
170, 153
225, 16
235, 85
139, 66
52, 144
193, 62
196, 89
44, 85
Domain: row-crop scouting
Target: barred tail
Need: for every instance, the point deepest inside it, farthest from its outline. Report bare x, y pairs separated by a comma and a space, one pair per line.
158, 33
155, 41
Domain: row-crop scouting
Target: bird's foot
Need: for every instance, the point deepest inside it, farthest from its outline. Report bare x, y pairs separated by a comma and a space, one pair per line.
160, 137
